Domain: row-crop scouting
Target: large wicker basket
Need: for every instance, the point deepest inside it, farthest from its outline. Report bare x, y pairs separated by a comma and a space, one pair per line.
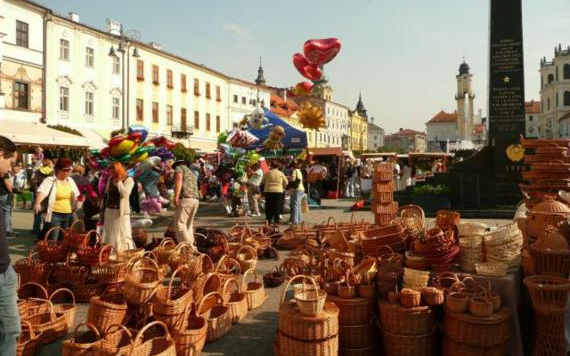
477, 332
308, 328
396, 319
81, 345
169, 303
141, 281
357, 336
106, 310
409, 345
235, 300
218, 317
291, 347
254, 291
190, 339
355, 311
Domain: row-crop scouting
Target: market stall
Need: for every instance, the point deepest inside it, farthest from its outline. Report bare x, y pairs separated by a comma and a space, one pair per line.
333, 159
426, 164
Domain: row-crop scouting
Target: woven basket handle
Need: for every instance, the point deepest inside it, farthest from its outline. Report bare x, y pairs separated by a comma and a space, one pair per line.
333, 220
166, 242
244, 280
78, 221
50, 230
145, 328
30, 328
183, 248
50, 304
135, 260
220, 263
112, 328
63, 290
90, 327
172, 280
37, 285
228, 282
219, 298
252, 252
103, 249
128, 243
87, 237
304, 278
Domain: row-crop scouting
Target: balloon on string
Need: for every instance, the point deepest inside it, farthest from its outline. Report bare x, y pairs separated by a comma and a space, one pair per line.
321, 51
222, 137
302, 89
163, 153
146, 165
162, 141
307, 69
120, 145
149, 181
141, 132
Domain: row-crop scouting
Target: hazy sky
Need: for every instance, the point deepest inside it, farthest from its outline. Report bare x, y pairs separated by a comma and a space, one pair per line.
402, 54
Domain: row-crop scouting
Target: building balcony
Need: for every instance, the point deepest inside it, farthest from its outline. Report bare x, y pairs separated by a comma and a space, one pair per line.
182, 131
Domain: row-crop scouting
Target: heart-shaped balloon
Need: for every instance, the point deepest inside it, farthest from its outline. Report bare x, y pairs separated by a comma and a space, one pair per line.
307, 70
320, 52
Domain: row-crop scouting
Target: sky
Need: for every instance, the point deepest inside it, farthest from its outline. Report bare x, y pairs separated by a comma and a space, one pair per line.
403, 55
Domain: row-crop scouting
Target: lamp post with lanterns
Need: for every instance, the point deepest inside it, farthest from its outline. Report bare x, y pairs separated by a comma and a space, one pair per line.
125, 43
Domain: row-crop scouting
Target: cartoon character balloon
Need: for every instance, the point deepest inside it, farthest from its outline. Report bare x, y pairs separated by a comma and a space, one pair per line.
256, 120
276, 135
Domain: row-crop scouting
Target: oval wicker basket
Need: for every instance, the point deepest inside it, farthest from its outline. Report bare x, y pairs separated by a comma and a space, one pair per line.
310, 301
409, 321
357, 336
292, 347
477, 332
235, 300
355, 311
301, 327
254, 291
409, 345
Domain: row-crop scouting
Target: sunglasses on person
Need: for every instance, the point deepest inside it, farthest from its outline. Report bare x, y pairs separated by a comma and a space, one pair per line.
66, 170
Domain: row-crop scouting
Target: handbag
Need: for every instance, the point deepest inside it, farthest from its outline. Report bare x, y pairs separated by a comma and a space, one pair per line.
45, 202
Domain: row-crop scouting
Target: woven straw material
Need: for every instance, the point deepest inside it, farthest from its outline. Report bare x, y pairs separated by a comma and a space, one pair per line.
357, 336
67, 308
141, 281
550, 335
52, 250
155, 346
164, 251
171, 300
409, 345
32, 269
549, 294
82, 345
292, 347
235, 300
29, 342
356, 311
492, 269
415, 279
471, 228
110, 271
254, 291
298, 326
50, 324
217, 316
190, 339
310, 301
369, 351
106, 310
407, 321
550, 262
477, 332
117, 340
454, 348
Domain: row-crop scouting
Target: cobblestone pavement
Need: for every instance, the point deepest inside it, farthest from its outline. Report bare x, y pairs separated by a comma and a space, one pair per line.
254, 335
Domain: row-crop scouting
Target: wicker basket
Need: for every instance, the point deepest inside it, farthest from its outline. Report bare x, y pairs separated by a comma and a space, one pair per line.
29, 342
141, 281
357, 336
409, 345
301, 327
36, 297
52, 250
156, 345
292, 347
408, 321
227, 268
50, 324
164, 250
112, 271
432, 296
190, 339
454, 348
90, 255
74, 235
218, 317
477, 332
81, 345
550, 262
549, 294
32, 269
70, 272
254, 291
310, 301
235, 300
181, 255
169, 303
116, 340
68, 309
106, 310
355, 311
247, 257
125, 255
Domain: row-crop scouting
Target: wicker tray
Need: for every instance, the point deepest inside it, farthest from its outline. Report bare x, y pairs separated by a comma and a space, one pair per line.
298, 326
477, 332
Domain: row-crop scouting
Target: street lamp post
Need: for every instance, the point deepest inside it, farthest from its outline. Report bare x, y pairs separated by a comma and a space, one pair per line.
125, 44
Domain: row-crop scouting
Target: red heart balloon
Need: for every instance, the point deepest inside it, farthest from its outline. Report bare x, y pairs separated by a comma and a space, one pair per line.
302, 89
320, 52
307, 70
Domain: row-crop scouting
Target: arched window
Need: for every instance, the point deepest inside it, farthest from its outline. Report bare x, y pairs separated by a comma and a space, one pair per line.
567, 71
567, 98
550, 78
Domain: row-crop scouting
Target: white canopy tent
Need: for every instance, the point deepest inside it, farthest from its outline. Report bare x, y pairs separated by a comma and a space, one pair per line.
35, 134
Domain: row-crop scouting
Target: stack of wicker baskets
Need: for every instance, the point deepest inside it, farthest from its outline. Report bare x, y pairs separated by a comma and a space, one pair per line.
356, 325
407, 331
383, 205
308, 325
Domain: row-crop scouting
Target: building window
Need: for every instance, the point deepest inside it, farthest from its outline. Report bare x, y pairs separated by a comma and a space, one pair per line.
567, 71
140, 110
235, 99
21, 34
116, 65
208, 96
154, 112
169, 78
183, 82
253, 102
116, 108
218, 93
196, 120
169, 114
567, 98
89, 57
218, 124
64, 49
183, 125
196, 87
155, 74
208, 123
89, 103
243, 100
140, 70
550, 78
64, 99
530, 118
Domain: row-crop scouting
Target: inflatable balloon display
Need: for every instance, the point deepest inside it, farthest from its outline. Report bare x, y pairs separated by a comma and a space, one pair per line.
239, 138
140, 131
162, 141
306, 68
302, 89
320, 52
276, 135
255, 120
311, 116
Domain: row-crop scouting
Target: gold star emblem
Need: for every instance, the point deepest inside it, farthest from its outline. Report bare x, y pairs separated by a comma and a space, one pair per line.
507, 79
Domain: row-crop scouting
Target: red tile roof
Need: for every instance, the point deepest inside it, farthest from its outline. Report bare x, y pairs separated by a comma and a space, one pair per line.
282, 107
443, 116
532, 107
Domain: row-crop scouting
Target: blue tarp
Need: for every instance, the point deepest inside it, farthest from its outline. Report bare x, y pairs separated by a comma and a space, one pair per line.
293, 138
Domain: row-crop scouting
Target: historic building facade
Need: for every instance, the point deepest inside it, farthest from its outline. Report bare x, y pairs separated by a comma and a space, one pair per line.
21, 60
407, 140
375, 136
464, 98
532, 116
555, 94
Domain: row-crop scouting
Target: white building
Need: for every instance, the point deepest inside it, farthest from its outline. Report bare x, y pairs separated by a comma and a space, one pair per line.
532, 115
21, 60
338, 123
244, 97
441, 129
554, 94
375, 136
83, 83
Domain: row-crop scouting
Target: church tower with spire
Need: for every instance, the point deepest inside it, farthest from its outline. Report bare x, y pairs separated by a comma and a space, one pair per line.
360, 109
260, 78
464, 98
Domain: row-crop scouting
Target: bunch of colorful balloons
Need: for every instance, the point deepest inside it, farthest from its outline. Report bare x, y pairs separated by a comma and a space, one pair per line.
310, 64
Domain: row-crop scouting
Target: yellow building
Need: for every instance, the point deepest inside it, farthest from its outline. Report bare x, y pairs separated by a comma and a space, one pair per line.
358, 132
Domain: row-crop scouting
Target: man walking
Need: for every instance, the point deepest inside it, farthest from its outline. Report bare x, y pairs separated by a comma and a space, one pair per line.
186, 202
9, 316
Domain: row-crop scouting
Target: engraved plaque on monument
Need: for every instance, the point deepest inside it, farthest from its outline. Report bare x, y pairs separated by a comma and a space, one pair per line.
506, 87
